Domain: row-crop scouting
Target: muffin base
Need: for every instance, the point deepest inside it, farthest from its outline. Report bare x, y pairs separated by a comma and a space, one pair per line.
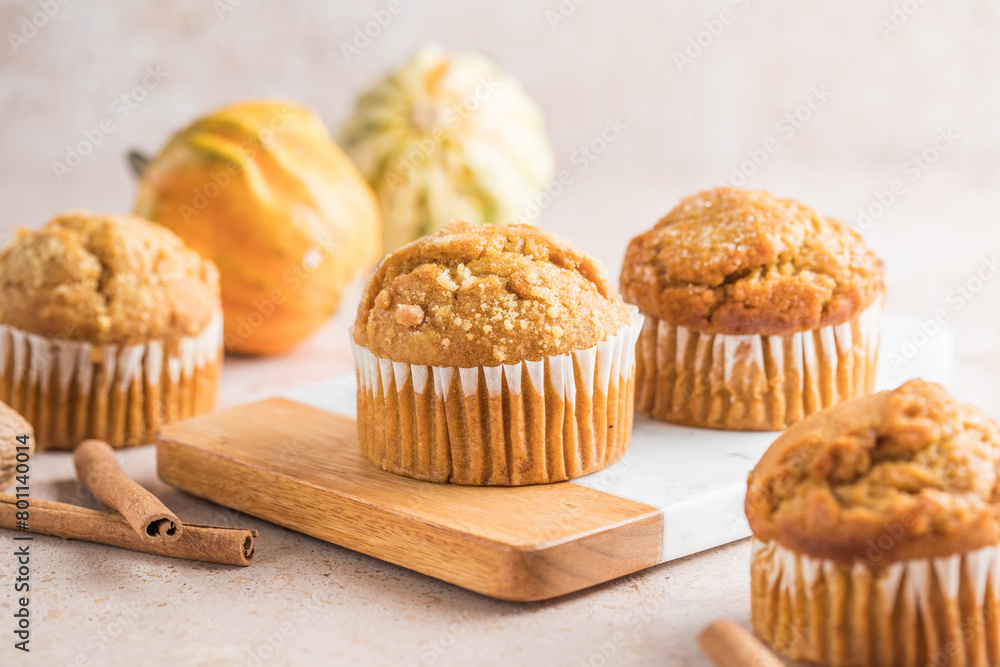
529, 423
933, 611
753, 383
70, 391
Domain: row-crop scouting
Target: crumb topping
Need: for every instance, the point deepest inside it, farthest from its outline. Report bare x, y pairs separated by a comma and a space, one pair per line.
408, 316
105, 279
745, 262
482, 296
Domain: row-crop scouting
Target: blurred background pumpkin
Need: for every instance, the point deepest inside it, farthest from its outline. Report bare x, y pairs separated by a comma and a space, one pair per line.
261, 189
446, 137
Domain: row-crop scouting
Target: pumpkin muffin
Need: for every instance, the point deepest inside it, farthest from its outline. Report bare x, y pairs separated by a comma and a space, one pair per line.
109, 328
493, 356
758, 310
12, 427
876, 530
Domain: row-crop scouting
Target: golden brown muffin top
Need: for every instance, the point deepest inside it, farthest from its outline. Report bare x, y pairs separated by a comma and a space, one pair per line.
734, 261
484, 296
105, 279
908, 473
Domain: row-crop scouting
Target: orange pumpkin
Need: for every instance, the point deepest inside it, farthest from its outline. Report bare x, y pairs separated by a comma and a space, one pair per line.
261, 189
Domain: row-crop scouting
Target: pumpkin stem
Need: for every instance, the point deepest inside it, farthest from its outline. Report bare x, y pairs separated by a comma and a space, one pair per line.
138, 162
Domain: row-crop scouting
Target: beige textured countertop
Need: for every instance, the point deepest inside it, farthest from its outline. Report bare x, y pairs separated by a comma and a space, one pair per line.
306, 602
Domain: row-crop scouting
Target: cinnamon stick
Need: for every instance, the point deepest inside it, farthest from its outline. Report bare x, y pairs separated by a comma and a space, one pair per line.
729, 645
209, 544
100, 473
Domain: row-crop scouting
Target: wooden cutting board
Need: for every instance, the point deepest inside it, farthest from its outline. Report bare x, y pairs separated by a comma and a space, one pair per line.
295, 461
301, 467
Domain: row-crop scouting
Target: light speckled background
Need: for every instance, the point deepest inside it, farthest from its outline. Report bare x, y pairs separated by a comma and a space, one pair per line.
686, 130
889, 94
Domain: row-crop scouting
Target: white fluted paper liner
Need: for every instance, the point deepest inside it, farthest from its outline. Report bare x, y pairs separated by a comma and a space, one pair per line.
930, 611
123, 394
762, 383
533, 422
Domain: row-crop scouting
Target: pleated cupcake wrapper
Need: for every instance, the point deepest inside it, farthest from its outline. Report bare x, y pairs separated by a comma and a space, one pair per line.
753, 382
71, 391
528, 423
932, 611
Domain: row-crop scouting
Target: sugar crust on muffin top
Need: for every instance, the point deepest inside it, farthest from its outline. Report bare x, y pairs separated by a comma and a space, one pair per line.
483, 296
733, 261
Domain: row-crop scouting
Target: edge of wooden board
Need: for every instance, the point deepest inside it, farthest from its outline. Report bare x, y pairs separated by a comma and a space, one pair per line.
323, 487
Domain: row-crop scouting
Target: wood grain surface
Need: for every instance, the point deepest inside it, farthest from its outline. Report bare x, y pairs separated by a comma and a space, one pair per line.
301, 467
